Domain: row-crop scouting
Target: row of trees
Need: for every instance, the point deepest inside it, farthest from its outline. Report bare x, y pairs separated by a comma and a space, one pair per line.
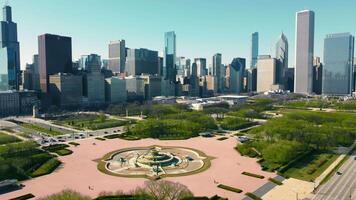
282, 139
152, 190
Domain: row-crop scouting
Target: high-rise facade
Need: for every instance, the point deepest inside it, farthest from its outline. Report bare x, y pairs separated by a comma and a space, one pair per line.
217, 71
266, 73
54, 56
141, 61
9, 53
304, 52
117, 56
201, 66
237, 70
282, 58
254, 49
169, 59
338, 64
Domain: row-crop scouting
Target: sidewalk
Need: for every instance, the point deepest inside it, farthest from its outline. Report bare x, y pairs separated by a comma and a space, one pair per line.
332, 166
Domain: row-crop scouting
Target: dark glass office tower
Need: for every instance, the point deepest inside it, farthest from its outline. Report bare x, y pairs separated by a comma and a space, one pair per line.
9, 53
169, 69
338, 64
55, 56
254, 49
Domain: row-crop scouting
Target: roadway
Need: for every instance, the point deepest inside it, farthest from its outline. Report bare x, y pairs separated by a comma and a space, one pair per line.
340, 186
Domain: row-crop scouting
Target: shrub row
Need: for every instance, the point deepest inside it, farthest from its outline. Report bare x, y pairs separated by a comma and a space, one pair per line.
24, 197
275, 181
253, 196
47, 168
232, 189
253, 175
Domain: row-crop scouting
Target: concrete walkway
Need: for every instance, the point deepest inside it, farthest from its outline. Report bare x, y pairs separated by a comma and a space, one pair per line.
332, 166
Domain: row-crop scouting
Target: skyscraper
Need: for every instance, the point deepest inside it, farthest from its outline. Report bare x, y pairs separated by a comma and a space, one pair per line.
117, 56
54, 56
201, 66
142, 61
9, 53
169, 60
338, 64
254, 49
217, 72
304, 52
237, 70
266, 73
282, 58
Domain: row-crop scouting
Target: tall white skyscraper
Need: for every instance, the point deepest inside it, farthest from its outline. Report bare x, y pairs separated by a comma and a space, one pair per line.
304, 52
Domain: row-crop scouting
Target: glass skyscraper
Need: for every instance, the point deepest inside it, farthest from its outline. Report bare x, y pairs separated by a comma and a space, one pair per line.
304, 52
217, 71
169, 60
282, 58
338, 64
117, 56
254, 49
9, 53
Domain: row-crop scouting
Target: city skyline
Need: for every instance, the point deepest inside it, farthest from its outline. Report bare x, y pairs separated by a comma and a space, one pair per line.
201, 36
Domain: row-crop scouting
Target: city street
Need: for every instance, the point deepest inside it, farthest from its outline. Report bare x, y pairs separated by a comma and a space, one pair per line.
341, 186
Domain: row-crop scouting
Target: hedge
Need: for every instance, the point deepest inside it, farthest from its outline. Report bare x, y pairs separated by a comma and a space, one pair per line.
74, 143
253, 175
47, 168
229, 188
24, 197
253, 196
275, 181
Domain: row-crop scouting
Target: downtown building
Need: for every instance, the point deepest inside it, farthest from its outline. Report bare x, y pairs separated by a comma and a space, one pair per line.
141, 61
218, 72
169, 59
117, 56
9, 53
115, 90
237, 72
66, 90
93, 81
338, 64
282, 59
304, 52
266, 74
54, 56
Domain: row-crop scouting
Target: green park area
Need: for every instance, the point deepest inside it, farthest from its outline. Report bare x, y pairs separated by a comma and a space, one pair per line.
7, 139
171, 122
23, 160
90, 121
300, 143
42, 129
321, 104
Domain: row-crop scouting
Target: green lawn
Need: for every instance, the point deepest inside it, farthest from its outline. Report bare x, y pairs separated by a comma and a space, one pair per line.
91, 122
49, 131
20, 160
311, 166
6, 139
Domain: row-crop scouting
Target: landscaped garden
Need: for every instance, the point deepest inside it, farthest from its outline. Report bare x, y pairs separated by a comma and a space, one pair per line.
23, 160
300, 144
171, 122
6, 138
90, 121
42, 129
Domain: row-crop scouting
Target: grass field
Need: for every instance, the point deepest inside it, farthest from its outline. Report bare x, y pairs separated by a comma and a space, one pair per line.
311, 166
91, 122
49, 131
7, 139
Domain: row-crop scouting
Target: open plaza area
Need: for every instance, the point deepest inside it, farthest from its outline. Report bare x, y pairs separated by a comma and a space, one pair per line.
79, 170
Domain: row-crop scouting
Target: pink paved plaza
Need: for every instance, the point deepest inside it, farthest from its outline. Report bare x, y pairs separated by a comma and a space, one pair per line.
79, 170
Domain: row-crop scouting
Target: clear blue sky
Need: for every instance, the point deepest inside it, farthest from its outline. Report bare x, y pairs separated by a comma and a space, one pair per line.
203, 27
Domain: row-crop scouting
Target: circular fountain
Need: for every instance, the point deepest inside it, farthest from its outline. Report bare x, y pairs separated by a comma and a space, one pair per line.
154, 161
